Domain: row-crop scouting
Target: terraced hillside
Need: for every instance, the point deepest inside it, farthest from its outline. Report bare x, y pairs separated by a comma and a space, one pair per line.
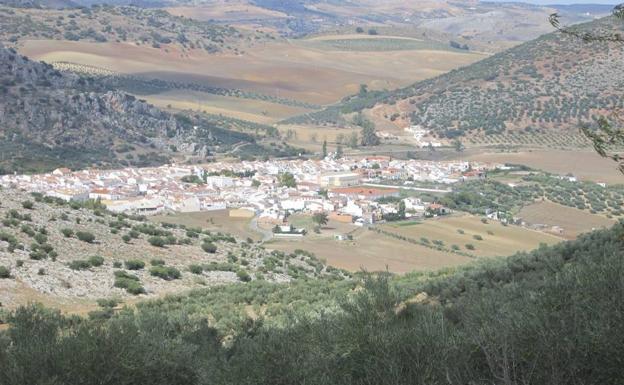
551, 84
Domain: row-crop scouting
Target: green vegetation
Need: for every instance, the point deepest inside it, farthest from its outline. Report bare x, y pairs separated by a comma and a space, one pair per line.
547, 309
479, 196
287, 179
129, 282
545, 85
134, 264
165, 272
85, 236
5, 272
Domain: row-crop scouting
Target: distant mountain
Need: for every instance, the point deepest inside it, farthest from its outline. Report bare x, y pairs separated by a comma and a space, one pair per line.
42, 4
554, 82
99, 24
49, 118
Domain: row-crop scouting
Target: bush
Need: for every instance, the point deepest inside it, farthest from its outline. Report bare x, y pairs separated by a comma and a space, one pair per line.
126, 238
470, 246
477, 237
67, 233
40, 238
5, 272
96, 260
29, 205
196, 269
243, 276
130, 282
79, 264
209, 247
157, 241
85, 236
134, 264
117, 265
165, 272
38, 255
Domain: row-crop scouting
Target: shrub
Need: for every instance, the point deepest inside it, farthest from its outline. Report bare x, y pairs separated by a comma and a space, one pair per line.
156, 241
5, 272
134, 264
29, 205
165, 272
209, 247
117, 265
96, 260
126, 238
40, 238
477, 237
470, 246
129, 282
243, 276
38, 255
19, 263
157, 262
79, 264
67, 233
85, 236
41, 271
196, 269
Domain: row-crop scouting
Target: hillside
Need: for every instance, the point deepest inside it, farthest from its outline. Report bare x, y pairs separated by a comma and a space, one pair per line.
51, 118
44, 243
529, 318
551, 84
139, 26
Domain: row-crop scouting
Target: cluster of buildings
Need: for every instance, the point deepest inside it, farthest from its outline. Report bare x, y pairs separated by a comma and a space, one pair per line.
348, 189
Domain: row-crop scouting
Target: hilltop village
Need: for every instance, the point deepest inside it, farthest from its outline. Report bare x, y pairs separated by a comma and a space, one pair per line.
348, 189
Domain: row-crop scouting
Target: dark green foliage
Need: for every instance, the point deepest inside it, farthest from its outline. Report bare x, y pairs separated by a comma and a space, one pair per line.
196, 269
157, 241
130, 282
67, 233
134, 264
287, 179
4, 272
85, 236
553, 316
79, 265
157, 262
243, 276
165, 272
209, 247
96, 260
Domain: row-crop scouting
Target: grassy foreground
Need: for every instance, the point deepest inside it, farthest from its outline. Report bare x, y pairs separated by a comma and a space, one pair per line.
552, 316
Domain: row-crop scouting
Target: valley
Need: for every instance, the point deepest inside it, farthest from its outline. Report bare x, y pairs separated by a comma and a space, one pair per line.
232, 192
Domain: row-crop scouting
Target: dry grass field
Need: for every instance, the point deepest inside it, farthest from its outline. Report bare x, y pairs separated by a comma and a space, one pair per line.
497, 240
284, 68
586, 165
212, 220
253, 110
572, 220
372, 252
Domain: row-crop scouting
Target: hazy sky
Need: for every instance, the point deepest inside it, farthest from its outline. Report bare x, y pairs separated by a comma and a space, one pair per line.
566, 1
